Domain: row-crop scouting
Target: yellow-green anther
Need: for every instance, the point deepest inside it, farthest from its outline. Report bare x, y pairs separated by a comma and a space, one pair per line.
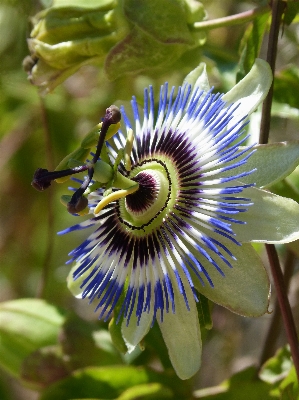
79, 155
103, 172
115, 196
128, 149
91, 139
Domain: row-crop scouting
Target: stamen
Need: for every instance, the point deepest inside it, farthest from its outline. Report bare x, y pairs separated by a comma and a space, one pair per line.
115, 196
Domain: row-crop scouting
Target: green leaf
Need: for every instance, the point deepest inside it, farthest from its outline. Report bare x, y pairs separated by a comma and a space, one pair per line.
283, 110
149, 391
286, 86
273, 162
85, 344
251, 44
25, 326
292, 9
43, 367
104, 382
277, 367
242, 385
289, 389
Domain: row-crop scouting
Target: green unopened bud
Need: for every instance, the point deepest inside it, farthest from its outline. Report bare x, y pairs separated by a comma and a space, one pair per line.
71, 34
121, 36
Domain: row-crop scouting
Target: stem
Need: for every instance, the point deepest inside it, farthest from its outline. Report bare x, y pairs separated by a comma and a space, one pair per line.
236, 19
277, 11
275, 325
289, 325
284, 304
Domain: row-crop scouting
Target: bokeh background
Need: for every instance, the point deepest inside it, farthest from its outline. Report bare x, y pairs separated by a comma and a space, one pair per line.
38, 131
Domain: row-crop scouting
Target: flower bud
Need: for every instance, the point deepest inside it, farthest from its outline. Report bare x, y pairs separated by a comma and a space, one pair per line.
122, 36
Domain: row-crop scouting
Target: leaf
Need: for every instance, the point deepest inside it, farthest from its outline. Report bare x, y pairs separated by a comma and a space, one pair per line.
149, 391
85, 344
25, 326
100, 382
292, 9
43, 367
277, 367
251, 44
286, 86
242, 385
289, 386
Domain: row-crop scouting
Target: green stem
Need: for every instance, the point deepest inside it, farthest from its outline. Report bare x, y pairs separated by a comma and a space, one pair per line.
236, 19
278, 7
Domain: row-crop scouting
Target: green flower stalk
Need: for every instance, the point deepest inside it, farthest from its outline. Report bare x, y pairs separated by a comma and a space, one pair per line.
174, 209
122, 37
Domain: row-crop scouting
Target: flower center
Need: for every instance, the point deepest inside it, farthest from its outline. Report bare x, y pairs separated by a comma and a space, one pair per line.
145, 209
152, 195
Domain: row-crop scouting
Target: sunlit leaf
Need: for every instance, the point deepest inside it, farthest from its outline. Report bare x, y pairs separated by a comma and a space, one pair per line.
251, 44
104, 382
25, 326
242, 385
277, 367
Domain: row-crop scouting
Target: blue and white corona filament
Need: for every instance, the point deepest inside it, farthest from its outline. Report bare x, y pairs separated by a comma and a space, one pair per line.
146, 242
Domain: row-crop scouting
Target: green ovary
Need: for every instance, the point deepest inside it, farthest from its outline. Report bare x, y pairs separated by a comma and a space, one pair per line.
145, 210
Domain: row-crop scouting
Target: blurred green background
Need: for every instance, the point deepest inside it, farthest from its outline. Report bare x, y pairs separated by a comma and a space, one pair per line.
37, 131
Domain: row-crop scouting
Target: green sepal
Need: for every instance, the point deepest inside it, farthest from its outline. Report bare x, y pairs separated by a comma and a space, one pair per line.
116, 335
103, 172
204, 312
91, 139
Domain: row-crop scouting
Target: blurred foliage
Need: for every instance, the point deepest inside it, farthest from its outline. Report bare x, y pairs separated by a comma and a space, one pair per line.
69, 354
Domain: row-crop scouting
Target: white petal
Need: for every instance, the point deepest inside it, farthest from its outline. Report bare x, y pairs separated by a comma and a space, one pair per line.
245, 288
181, 334
133, 333
198, 78
271, 219
251, 90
